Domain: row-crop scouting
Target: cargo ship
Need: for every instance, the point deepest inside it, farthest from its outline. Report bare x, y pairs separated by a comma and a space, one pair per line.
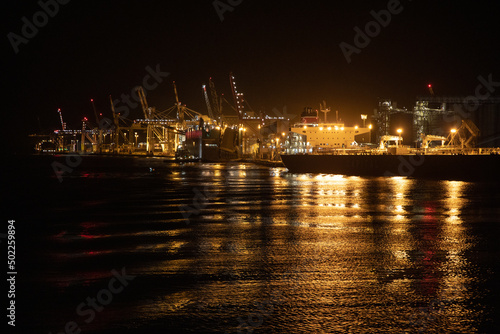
209, 145
336, 149
462, 165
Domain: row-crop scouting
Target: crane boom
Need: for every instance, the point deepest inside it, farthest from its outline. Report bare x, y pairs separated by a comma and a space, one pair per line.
63, 125
428, 138
180, 110
144, 102
386, 138
238, 97
216, 102
95, 111
207, 101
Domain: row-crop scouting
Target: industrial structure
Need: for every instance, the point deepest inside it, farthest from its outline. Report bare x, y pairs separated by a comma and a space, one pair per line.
231, 130
226, 131
433, 115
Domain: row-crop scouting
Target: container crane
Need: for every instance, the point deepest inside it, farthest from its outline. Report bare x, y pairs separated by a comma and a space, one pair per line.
63, 125
147, 116
216, 101
180, 109
238, 97
207, 101
144, 102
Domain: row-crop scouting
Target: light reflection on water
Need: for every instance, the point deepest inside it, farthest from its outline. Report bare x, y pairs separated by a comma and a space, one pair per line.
274, 252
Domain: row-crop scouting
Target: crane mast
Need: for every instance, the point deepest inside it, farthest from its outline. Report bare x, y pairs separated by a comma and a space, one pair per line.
324, 109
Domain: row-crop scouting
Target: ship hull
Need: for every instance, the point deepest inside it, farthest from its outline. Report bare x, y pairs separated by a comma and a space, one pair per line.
459, 167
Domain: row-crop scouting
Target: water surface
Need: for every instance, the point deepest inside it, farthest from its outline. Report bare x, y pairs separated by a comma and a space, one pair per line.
236, 248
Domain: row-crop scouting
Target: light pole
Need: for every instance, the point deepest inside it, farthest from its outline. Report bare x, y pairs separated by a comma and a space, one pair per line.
277, 148
399, 131
453, 134
364, 117
136, 136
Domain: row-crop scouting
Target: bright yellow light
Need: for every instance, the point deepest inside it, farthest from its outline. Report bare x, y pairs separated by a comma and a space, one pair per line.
370, 126
336, 127
342, 128
258, 126
399, 130
305, 126
320, 128
283, 134
356, 127
453, 130
329, 128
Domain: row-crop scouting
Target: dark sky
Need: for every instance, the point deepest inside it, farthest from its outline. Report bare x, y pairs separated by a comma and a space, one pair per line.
282, 53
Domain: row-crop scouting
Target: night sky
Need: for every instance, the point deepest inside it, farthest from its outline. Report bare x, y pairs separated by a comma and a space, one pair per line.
282, 53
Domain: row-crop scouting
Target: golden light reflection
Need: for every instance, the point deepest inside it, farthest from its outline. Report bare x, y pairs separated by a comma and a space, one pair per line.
399, 217
454, 200
336, 198
395, 199
393, 230
397, 196
455, 241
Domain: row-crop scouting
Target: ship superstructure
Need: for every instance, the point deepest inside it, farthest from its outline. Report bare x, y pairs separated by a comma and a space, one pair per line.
325, 135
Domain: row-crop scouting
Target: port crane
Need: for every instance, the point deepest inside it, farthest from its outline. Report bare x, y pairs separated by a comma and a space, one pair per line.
387, 138
207, 101
63, 125
465, 136
95, 111
216, 101
164, 130
147, 115
426, 139
238, 98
